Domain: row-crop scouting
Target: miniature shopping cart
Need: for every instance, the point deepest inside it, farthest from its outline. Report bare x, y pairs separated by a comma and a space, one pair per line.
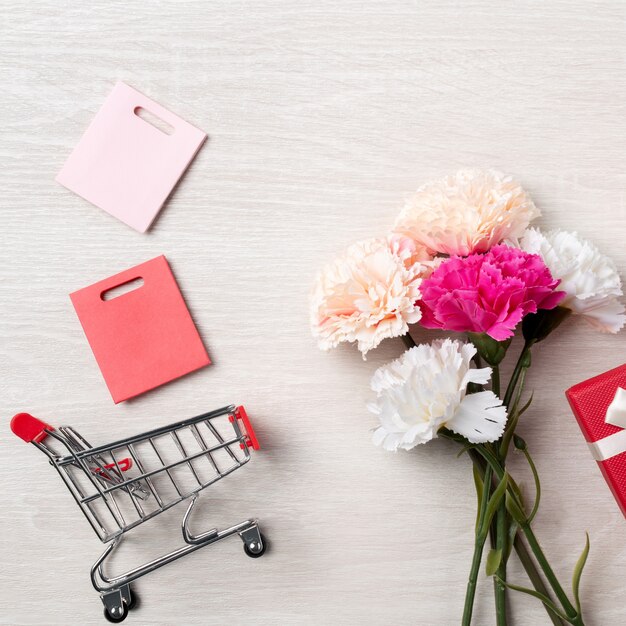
120, 485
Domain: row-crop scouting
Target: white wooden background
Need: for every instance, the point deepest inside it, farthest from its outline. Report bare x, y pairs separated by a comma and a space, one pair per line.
322, 117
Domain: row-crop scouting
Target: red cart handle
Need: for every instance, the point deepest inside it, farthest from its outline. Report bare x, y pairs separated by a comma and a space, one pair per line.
29, 428
251, 438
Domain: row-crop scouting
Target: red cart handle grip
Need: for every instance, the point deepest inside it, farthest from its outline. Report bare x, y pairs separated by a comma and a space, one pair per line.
29, 428
251, 438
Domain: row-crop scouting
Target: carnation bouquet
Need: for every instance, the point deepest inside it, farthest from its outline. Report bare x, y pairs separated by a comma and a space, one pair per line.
461, 257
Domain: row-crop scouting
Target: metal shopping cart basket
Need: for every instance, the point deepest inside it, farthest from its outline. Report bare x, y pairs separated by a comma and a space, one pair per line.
123, 484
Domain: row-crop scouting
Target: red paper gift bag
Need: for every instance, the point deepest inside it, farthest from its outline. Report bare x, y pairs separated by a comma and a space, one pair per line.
143, 338
599, 405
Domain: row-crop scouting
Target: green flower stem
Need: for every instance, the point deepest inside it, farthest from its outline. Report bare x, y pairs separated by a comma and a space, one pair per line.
572, 615
502, 521
522, 363
479, 544
513, 417
520, 389
521, 550
502, 529
533, 575
499, 532
495, 380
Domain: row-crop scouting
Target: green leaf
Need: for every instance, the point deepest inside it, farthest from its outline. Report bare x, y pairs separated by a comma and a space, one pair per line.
493, 561
490, 349
513, 527
537, 326
478, 483
509, 431
515, 511
578, 572
511, 425
494, 502
533, 469
525, 407
465, 449
531, 592
517, 492
449, 434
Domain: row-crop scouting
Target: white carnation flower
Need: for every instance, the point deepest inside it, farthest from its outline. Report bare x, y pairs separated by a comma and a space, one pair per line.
589, 278
369, 293
426, 389
468, 211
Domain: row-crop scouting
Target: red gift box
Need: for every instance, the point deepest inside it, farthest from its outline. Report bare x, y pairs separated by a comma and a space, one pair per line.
599, 405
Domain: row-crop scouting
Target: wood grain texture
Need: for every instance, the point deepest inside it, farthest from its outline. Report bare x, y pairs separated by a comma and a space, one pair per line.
322, 117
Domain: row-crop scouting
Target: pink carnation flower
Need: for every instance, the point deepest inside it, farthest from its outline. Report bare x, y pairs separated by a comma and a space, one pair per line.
488, 293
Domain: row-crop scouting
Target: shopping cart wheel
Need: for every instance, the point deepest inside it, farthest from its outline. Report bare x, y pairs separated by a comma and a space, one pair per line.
252, 550
134, 600
118, 603
120, 616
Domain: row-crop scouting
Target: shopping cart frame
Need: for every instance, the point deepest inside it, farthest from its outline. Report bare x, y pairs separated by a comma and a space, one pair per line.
105, 476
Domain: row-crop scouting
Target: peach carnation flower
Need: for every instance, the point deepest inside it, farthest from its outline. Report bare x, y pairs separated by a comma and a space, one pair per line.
369, 293
469, 211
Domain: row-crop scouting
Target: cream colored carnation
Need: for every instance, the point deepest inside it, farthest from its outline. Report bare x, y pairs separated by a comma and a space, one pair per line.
469, 211
589, 278
369, 293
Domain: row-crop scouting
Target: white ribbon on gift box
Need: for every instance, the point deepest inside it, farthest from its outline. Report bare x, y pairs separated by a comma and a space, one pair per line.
614, 444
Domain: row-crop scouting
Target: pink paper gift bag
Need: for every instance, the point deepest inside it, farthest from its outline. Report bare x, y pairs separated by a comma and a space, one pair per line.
126, 165
142, 338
